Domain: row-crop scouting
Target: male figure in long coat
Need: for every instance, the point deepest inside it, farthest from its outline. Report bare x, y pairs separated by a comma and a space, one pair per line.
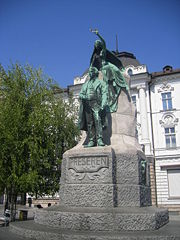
93, 102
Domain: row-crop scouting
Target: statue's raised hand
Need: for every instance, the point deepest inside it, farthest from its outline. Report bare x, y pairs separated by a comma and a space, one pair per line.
94, 31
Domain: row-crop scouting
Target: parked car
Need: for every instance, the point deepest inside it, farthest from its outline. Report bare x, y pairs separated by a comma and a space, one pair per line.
4, 221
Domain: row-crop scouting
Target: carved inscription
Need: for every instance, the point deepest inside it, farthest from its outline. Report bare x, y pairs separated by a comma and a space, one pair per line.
88, 164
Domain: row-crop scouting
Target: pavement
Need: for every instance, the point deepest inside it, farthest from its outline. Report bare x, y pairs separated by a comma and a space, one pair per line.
5, 234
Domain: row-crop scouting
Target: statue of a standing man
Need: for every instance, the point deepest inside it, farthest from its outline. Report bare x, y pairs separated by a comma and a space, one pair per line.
93, 101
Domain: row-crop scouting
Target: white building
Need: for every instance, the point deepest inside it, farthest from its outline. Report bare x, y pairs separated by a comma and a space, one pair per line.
157, 99
165, 112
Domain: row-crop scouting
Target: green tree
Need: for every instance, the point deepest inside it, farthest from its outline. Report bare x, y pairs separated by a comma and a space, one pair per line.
36, 128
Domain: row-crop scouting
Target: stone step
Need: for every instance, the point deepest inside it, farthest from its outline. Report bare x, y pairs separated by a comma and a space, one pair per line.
30, 229
103, 219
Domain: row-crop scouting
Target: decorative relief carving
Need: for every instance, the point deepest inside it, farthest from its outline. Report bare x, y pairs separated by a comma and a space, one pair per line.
92, 176
80, 80
168, 120
136, 70
94, 167
165, 87
138, 130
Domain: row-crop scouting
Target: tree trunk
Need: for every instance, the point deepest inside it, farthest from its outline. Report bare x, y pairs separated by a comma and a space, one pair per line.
13, 205
6, 200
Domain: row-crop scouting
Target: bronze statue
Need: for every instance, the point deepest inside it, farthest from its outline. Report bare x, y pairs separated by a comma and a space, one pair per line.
93, 102
97, 97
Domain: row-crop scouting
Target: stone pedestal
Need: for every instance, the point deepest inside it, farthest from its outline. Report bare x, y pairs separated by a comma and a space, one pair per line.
103, 191
106, 189
98, 177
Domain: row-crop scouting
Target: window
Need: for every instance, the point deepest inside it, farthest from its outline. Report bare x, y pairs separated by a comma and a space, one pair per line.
173, 183
134, 100
130, 72
170, 137
166, 101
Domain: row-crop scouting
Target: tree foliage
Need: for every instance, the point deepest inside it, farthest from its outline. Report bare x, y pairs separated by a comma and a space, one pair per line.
36, 128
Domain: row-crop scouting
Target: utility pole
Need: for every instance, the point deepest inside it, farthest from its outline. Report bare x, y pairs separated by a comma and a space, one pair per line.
116, 44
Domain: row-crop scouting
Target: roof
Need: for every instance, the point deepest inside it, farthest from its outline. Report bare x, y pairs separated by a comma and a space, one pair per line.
127, 59
167, 70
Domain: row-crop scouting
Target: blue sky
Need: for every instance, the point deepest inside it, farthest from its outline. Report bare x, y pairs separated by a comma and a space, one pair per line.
54, 34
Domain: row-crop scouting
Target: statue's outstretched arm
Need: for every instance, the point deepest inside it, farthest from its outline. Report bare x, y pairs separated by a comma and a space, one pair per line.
100, 37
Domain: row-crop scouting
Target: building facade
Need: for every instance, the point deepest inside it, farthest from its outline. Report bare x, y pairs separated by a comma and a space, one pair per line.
157, 99
165, 112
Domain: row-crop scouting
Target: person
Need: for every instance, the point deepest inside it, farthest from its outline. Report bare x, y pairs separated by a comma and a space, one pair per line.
93, 101
104, 61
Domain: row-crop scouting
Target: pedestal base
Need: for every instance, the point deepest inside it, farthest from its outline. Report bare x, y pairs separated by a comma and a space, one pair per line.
100, 219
